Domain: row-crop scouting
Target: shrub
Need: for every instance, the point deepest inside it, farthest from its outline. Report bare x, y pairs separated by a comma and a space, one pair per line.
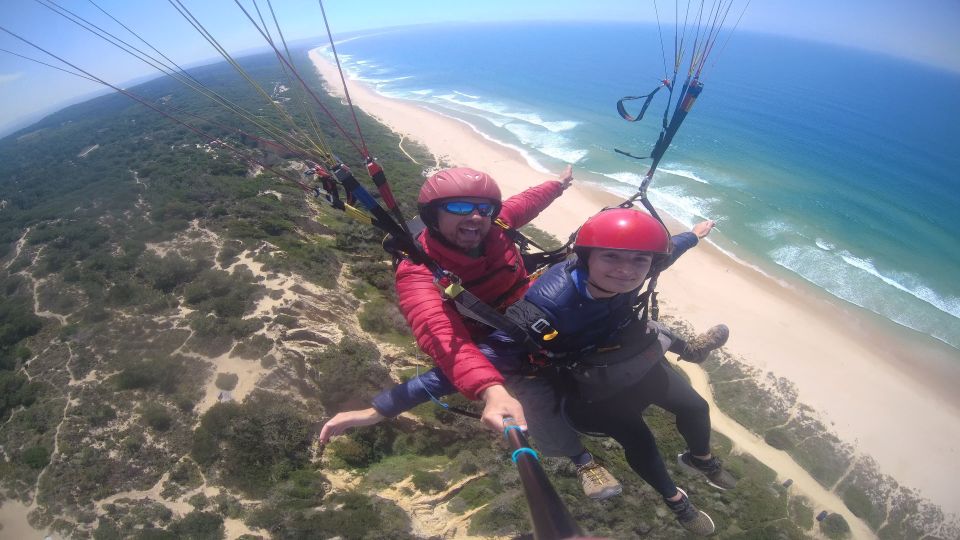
348, 370
779, 439
199, 525
99, 414
169, 272
428, 481
861, 506
835, 527
36, 457
382, 317
157, 416
227, 381
162, 374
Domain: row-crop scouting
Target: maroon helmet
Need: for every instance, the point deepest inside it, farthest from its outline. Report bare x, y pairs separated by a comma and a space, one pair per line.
455, 183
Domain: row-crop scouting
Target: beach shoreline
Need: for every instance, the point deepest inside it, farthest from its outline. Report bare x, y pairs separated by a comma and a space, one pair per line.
861, 377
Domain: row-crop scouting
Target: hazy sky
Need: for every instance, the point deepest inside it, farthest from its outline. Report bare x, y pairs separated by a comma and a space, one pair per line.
923, 30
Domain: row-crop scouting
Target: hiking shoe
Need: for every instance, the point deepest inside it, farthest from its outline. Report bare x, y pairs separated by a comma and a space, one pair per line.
711, 468
699, 347
690, 517
597, 482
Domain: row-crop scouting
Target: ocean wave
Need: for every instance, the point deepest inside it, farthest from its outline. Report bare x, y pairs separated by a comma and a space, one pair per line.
683, 173
527, 156
485, 109
380, 82
824, 245
685, 208
916, 289
856, 280
549, 143
773, 228
466, 95
633, 179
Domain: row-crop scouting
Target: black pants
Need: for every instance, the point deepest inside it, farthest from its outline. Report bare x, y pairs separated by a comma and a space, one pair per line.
620, 417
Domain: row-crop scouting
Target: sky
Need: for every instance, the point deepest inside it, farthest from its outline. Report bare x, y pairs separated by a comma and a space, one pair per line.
920, 30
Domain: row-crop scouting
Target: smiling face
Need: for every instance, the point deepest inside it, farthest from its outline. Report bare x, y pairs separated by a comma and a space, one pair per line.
615, 271
465, 232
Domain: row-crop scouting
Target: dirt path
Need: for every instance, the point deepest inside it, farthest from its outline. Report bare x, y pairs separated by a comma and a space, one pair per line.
429, 516
746, 441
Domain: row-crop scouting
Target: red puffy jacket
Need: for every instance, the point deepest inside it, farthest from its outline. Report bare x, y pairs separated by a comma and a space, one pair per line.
438, 327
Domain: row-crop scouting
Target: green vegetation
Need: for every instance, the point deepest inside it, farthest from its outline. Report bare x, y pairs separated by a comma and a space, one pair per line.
157, 416
227, 381
835, 527
348, 371
252, 445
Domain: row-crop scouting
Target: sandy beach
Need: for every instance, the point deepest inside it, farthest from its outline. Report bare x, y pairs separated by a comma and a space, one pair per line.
859, 375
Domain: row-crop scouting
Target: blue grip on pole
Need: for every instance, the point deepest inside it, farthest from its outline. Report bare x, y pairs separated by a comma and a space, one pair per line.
506, 430
524, 450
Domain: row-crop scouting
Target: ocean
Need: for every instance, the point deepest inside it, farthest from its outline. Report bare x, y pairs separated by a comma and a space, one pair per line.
829, 165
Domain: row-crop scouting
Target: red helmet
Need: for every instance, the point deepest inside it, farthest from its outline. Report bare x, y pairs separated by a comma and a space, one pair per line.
624, 228
458, 182
451, 184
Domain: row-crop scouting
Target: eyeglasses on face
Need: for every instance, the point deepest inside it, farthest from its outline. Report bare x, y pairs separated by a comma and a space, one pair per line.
465, 208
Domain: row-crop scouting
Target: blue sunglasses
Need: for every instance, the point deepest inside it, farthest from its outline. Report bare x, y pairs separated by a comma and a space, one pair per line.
465, 208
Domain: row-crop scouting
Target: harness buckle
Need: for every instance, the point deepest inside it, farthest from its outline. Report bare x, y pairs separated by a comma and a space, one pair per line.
449, 284
541, 326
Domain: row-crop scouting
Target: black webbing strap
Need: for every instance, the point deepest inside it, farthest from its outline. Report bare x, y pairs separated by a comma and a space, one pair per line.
646, 103
473, 308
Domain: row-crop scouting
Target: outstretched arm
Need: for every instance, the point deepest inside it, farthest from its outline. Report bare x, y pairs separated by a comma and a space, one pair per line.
407, 395
703, 228
341, 422
686, 240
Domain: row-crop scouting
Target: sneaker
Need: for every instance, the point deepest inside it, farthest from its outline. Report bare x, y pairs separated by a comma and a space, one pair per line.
597, 482
712, 469
700, 347
690, 517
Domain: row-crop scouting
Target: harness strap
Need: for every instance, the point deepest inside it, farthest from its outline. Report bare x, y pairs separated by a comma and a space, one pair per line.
646, 103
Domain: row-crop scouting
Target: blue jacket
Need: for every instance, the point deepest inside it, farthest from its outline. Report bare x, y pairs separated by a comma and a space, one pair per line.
580, 321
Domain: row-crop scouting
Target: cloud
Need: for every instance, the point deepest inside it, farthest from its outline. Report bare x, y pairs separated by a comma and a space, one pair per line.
9, 77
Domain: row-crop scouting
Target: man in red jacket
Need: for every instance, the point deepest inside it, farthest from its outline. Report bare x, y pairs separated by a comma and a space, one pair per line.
458, 206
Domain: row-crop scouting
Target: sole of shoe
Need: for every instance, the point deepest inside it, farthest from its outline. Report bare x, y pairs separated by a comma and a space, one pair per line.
691, 468
607, 493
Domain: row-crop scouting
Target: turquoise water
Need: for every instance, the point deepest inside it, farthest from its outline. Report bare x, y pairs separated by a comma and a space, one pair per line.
825, 164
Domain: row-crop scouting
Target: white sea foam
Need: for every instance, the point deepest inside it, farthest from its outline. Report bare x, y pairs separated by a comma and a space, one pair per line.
857, 281
464, 94
383, 81
485, 109
915, 288
633, 179
684, 207
425, 92
683, 173
527, 156
773, 228
552, 144
824, 245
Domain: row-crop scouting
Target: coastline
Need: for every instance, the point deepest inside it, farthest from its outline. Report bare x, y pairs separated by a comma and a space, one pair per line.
861, 379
